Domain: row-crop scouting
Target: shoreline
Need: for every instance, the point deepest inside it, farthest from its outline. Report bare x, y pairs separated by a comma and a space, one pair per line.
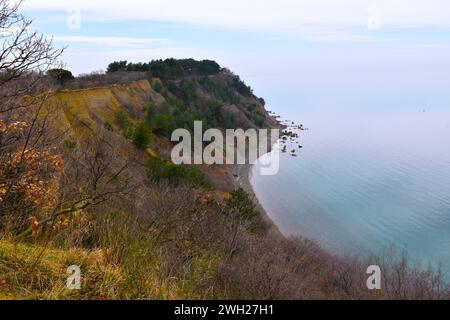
242, 180
242, 175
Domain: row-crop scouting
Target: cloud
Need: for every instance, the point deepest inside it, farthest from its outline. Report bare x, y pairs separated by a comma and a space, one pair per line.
122, 42
258, 14
328, 34
321, 21
140, 54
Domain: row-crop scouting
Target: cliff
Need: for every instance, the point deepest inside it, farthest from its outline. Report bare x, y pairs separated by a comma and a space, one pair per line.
100, 193
122, 107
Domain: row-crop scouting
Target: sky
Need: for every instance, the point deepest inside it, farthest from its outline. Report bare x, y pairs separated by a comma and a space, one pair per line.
311, 41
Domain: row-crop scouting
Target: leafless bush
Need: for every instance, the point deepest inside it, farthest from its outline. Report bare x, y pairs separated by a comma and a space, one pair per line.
100, 79
95, 172
272, 269
25, 55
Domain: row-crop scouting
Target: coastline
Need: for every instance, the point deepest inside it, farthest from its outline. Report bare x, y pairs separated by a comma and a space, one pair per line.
242, 180
242, 175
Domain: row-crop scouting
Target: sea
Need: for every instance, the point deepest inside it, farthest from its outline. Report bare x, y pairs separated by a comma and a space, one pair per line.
374, 168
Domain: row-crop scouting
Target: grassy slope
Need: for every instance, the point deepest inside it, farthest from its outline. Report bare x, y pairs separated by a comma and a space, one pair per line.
37, 271
30, 271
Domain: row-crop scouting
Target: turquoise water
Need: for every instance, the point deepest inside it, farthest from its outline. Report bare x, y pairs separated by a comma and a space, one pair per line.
374, 170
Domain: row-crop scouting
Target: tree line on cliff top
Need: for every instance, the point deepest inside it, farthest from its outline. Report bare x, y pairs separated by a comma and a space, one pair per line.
175, 69
169, 69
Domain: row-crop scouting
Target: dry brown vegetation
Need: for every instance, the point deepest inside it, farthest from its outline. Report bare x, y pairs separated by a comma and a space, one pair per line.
69, 198
101, 79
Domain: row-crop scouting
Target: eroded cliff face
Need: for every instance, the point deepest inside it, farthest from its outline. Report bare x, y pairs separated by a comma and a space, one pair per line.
83, 113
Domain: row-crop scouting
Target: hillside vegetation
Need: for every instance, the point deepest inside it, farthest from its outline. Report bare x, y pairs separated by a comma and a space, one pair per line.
143, 228
86, 181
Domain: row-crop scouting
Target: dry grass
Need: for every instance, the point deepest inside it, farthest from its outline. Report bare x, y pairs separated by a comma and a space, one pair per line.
29, 271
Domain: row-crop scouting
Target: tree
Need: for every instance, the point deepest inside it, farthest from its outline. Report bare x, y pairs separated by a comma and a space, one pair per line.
241, 205
170, 68
89, 179
141, 137
242, 87
25, 55
117, 66
60, 75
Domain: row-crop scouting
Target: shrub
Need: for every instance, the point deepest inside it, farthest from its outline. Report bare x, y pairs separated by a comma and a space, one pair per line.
162, 124
60, 75
157, 86
141, 136
108, 126
158, 171
240, 204
122, 120
70, 144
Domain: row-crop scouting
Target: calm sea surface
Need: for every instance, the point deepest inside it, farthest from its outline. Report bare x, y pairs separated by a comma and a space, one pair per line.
374, 170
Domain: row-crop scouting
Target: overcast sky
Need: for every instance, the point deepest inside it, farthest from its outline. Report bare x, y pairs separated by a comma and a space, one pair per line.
255, 14
258, 39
